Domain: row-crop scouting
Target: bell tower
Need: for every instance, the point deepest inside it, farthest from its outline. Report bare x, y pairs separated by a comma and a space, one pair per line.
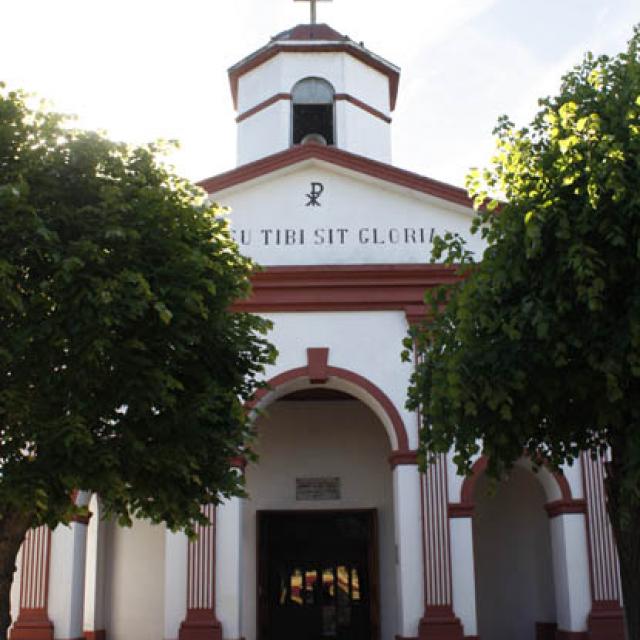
311, 84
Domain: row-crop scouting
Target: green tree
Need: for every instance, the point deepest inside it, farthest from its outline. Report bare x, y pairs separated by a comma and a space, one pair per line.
537, 346
122, 369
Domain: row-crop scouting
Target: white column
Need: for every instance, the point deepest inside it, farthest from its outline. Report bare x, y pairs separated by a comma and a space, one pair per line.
94, 580
66, 580
175, 582
229, 567
571, 571
409, 562
463, 573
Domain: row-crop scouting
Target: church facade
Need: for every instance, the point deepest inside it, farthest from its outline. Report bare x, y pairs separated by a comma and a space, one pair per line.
341, 535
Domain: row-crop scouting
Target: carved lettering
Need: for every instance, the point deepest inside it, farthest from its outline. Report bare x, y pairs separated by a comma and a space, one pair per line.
334, 236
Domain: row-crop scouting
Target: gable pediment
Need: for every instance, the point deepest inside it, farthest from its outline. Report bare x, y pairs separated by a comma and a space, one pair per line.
313, 210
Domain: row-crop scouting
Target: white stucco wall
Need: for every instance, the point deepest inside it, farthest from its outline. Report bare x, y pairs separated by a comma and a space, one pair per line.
264, 133
94, 599
310, 439
571, 571
513, 560
15, 588
362, 133
135, 582
176, 549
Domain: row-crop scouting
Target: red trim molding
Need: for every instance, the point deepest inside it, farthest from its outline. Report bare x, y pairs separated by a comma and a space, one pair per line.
364, 106
467, 492
460, 510
238, 462
317, 365
200, 624
562, 507
261, 56
348, 376
440, 623
403, 458
263, 105
340, 158
606, 621
32, 624
338, 96
346, 288
95, 635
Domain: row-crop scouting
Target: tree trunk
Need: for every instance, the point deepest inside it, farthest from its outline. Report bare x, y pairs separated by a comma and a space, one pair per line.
13, 528
624, 513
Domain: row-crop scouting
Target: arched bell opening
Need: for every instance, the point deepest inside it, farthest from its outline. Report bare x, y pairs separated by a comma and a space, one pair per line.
312, 112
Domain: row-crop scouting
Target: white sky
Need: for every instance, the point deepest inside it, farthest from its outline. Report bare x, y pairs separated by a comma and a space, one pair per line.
147, 69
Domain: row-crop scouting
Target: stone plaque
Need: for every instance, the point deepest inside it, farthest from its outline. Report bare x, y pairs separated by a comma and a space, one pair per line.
317, 488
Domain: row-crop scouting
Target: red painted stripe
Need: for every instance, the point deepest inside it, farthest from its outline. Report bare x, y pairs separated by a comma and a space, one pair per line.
201, 565
604, 561
35, 569
271, 50
364, 106
263, 105
424, 531
438, 590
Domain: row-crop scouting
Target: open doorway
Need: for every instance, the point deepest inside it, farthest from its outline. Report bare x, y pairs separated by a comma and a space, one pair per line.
317, 575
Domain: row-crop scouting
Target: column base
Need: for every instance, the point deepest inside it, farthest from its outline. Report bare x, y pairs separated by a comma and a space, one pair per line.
32, 624
200, 624
440, 623
606, 621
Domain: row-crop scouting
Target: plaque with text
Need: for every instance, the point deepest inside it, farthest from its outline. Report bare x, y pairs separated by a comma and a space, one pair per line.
317, 488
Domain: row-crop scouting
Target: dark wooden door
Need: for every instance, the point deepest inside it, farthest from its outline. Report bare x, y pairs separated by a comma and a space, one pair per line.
317, 576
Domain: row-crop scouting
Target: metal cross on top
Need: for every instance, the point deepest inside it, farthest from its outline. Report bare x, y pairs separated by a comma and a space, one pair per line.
313, 8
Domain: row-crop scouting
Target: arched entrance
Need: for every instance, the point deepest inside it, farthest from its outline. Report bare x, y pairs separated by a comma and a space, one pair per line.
318, 525
513, 561
520, 551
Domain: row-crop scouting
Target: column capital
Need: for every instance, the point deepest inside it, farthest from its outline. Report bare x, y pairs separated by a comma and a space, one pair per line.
403, 457
460, 509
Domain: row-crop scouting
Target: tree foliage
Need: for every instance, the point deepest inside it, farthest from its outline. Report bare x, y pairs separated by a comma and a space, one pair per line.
537, 347
122, 369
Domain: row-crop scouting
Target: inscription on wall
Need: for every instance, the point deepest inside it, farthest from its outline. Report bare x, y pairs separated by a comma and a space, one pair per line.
334, 236
318, 488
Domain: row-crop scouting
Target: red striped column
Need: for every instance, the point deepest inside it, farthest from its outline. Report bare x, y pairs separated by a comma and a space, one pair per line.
201, 622
606, 620
33, 621
439, 621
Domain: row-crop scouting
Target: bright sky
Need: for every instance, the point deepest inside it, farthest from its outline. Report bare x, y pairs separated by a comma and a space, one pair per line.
147, 69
